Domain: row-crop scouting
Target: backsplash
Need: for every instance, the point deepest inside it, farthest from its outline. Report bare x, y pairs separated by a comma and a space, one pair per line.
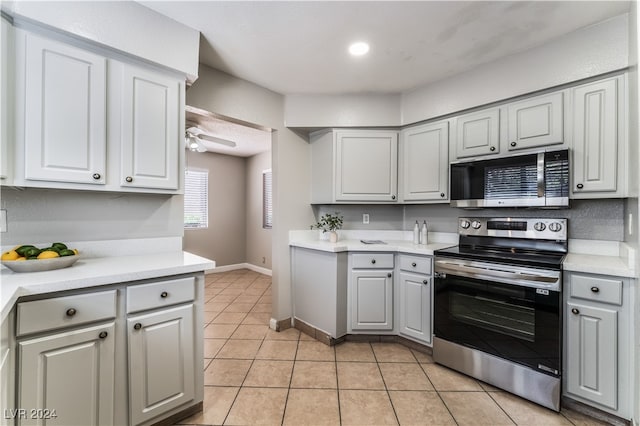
601, 219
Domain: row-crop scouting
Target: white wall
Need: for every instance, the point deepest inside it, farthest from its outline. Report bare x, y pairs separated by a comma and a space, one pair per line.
116, 24
258, 241
223, 94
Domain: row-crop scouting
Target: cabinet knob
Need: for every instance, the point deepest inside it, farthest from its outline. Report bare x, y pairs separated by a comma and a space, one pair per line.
164, 294
393, 197
575, 311
96, 176
442, 194
373, 261
137, 326
389, 275
513, 144
493, 148
414, 264
103, 335
579, 186
425, 281
595, 289
129, 179
71, 312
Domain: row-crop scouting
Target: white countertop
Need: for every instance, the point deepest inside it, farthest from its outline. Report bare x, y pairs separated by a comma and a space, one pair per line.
91, 272
594, 257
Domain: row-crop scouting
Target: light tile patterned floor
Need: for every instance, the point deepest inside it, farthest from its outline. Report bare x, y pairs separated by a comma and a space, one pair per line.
254, 375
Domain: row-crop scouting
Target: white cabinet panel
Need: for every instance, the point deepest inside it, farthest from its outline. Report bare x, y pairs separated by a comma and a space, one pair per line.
366, 166
65, 112
478, 133
592, 353
371, 300
70, 372
150, 133
415, 306
161, 361
536, 122
6, 101
424, 166
595, 147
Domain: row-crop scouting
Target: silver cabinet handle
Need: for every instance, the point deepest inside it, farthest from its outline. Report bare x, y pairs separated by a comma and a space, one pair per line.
493, 148
96, 176
575, 311
129, 179
164, 294
414, 264
595, 289
71, 312
103, 335
137, 326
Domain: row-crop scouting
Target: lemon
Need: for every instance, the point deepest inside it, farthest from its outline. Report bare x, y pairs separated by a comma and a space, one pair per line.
10, 255
76, 251
48, 254
21, 258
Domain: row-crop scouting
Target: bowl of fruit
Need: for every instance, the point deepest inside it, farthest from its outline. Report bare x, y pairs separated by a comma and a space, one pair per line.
29, 258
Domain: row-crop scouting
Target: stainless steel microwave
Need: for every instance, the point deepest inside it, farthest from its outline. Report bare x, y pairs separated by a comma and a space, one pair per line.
529, 180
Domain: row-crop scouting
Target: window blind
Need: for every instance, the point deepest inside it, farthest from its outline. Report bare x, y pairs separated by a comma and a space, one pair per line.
267, 199
196, 199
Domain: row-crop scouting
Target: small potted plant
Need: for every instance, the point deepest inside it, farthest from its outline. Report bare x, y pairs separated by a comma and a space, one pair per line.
329, 223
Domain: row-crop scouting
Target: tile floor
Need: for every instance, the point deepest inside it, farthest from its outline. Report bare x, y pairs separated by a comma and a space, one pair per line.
254, 375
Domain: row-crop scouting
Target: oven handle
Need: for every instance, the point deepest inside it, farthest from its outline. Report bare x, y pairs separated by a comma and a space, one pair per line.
525, 279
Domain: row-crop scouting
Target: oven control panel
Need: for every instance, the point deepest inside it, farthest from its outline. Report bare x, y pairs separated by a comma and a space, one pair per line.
514, 227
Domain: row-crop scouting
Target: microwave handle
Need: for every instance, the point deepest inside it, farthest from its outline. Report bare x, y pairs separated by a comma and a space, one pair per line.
540, 177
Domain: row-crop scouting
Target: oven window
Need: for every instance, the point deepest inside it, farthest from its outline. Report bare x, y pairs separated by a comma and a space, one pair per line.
495, 315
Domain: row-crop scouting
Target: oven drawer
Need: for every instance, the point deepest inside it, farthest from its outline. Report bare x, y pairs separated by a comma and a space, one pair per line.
417, 264
372, 260
597, 289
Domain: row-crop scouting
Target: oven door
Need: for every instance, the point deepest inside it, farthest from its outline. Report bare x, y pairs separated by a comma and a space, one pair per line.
507, 311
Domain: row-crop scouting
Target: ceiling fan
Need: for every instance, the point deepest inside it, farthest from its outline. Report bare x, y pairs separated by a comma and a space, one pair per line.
195, 136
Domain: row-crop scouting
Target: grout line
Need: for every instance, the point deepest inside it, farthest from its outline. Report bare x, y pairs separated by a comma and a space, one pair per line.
500, 406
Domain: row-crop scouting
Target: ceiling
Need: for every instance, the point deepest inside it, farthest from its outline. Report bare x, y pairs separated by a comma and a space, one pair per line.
300, 47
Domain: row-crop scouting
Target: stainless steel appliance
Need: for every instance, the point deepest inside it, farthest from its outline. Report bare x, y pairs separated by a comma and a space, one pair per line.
530, 180
497, 304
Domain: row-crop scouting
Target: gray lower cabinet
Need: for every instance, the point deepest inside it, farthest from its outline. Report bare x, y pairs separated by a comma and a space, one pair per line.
597, 349
371, 291
161, 361
67, 378
415, 298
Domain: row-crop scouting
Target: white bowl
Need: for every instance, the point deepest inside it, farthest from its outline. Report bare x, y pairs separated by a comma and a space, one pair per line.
39, 265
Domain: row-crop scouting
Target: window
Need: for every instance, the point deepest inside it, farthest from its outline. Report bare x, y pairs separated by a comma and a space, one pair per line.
267, 200
196, 199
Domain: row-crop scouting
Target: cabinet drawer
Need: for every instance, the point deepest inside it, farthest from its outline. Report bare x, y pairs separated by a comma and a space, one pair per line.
67, 311
372, 260
597, 289
156, 295
417, 264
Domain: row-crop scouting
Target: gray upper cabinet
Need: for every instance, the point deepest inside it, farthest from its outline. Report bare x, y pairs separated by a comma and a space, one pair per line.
355, 166
536, 122
477, 133
424, 161
599, 167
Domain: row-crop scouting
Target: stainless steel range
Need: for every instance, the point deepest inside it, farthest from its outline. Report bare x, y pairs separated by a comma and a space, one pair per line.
498, 297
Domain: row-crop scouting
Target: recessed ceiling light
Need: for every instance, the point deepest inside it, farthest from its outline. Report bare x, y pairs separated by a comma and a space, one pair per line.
359, 48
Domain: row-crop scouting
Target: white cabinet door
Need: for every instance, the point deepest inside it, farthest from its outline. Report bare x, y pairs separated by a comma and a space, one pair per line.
65, 112
595, 146
536, 122
371, 300
161, 361
6, 99
415, 306
150, 129
478, 133
592, 353
71, 374
366, 166
425, 162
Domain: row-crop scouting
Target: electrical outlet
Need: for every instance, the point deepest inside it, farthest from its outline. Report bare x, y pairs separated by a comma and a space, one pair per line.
365, 218
3, 220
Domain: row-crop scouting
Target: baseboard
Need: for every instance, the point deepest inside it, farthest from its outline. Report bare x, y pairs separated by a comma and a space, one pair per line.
235, 267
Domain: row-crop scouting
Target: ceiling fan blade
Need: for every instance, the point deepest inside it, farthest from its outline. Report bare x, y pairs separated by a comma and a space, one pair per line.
214, 139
